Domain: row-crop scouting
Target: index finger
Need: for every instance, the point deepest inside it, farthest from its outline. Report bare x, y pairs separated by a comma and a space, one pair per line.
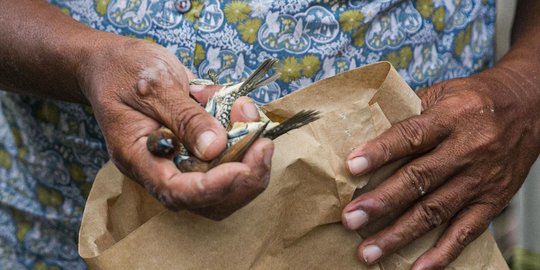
244, 110
202, 93
414, 135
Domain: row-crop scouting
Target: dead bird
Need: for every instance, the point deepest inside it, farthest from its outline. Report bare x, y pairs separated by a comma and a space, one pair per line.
163, 142
241, 136
220, 104
236, 152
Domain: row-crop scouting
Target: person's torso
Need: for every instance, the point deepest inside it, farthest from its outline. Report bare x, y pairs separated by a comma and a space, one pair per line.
427, 41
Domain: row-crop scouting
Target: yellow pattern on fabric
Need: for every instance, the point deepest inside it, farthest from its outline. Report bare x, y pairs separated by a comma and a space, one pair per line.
17, 137
199, 54
351, 20
22, 230
195, 11
359, 35
248, 30
48, 112
49, 197
290, 69
401, 58
76, 172
438, 18
5, 158
237, 11
18, 140
101, 6
43, 266
311, 64
425, 7
462, 39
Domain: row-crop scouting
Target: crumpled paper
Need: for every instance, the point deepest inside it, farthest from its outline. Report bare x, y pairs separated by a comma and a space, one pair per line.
295, 223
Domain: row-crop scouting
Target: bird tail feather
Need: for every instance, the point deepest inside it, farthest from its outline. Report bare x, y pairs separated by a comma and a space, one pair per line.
298, 120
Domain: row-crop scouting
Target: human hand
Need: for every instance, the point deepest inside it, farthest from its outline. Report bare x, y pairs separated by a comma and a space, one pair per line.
472, 148
134, 87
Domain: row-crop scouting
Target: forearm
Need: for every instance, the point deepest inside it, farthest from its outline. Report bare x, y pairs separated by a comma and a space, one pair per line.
517, 74
522, 62
42, 50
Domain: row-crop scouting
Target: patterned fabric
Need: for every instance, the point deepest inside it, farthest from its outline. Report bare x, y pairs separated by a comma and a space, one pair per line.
50, 151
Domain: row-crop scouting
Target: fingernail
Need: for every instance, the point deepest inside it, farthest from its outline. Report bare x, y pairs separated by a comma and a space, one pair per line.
204, 141
250, 111
358, 165
356, 219
371, 253
268, 153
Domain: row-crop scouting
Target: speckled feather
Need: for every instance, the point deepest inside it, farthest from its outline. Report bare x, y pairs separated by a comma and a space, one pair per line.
240, 138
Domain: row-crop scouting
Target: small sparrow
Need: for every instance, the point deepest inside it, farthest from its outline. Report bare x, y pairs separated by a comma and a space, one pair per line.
163, 142
242, 143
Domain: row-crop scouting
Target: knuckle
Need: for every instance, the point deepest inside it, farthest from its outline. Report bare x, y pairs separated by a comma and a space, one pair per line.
432, 213
433, 95
490, 138
385, 149
387, 202
412, 132
187, 119
493, 206
417, 176
478, 100
465, 235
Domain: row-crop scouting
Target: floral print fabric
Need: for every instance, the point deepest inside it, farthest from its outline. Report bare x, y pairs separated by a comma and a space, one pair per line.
50, 151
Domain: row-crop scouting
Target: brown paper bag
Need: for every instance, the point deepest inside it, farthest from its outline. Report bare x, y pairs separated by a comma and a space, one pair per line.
295, 223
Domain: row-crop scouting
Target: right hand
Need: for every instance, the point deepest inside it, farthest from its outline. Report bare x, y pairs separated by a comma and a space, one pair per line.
134, 87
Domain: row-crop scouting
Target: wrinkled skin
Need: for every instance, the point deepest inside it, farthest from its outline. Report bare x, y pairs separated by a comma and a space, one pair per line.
468, 159
133, 87
471, 148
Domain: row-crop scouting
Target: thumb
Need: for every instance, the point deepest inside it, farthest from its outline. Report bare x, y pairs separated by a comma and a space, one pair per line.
199, 132
202, 134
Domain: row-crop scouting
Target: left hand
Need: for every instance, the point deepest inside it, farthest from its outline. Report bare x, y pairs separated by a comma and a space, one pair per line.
473, 144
